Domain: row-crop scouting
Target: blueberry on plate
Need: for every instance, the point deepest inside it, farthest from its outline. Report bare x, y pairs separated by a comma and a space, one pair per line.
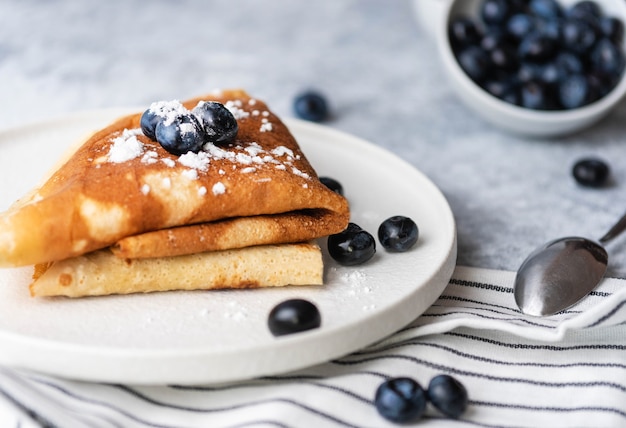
400, 400
353, 246
311, 105
180, 134
332, 184
220, 126
148, 123
156, 113
398, 233
591, 172
293, 316
448, 395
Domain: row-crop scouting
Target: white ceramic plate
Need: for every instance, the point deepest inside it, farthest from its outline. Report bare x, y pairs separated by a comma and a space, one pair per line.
219, 336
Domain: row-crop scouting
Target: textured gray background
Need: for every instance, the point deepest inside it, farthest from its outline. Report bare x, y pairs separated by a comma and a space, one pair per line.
382, 76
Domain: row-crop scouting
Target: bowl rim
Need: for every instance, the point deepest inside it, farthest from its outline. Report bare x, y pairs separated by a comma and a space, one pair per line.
596, 108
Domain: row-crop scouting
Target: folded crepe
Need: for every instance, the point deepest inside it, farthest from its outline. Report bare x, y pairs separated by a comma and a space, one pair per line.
122, 205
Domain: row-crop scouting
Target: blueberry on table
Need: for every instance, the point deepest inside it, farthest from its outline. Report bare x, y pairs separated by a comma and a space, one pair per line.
353, 246
311, 106
448, 395
332, 184
220, 126
400, 400
398, 233
293, 316
180, 134
591, 172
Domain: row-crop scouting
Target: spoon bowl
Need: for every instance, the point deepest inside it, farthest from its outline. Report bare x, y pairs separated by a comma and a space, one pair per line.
558, 275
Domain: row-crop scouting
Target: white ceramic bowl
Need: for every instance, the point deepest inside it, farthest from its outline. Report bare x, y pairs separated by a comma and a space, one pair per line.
510, 117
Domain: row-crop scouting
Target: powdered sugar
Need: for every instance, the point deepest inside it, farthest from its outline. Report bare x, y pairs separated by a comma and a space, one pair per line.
199, 161
126, 146
218, 188
246, 157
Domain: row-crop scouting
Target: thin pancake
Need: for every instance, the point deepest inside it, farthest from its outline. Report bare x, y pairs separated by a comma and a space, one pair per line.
92, 202
101, 273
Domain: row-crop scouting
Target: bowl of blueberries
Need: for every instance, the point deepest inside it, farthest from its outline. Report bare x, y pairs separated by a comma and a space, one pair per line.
538, 68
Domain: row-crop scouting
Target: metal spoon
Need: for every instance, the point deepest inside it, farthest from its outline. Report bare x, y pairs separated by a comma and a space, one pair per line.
562, 272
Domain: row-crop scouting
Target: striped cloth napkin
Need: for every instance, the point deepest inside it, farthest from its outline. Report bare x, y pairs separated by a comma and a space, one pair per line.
564, 371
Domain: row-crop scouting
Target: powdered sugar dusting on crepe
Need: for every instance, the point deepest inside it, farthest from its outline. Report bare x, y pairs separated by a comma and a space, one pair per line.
126, 146
246, 157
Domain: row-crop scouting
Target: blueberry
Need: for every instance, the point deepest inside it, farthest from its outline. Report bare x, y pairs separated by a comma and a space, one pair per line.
220, 126
494, 11
311, 106
155, 114
332, 184
578, 35
535, 95
351, 247
505, 89
400, 400
462, 31
613, 29
574, 91
494, 38
536, 46
448, 395
148, 123
568, 63
551, 28
293, 316
519, 25
475, 62
607, 58
398, 233
529, 71
591, 172
584, 9
504, 57
180, 134
548, 9
600, 84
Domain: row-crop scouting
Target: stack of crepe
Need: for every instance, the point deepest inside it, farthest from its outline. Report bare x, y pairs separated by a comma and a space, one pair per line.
122, 215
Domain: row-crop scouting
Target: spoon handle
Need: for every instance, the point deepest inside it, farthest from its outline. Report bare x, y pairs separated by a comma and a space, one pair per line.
618, 228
